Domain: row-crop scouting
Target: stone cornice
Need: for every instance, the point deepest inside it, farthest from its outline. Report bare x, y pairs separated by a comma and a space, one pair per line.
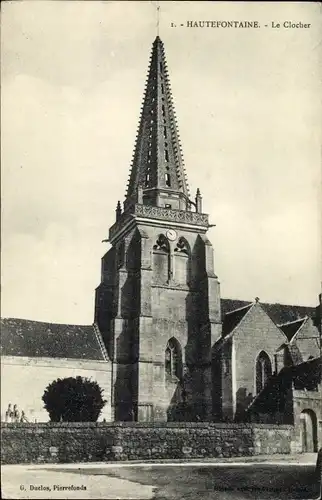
138, 211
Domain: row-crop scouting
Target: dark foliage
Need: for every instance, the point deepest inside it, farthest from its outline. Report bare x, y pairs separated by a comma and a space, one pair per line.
183, 412
73, 400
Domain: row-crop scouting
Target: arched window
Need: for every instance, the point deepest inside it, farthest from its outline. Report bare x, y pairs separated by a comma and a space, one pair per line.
182, 246
263, 370
173, 358
182, 262
161, 260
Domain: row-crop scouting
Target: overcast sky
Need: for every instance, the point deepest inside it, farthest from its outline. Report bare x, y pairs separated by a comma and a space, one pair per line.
249, 113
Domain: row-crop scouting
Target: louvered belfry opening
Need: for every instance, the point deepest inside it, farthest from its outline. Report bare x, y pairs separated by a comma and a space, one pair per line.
157, 168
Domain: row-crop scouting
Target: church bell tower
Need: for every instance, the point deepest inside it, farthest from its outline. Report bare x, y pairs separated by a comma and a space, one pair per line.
158, 304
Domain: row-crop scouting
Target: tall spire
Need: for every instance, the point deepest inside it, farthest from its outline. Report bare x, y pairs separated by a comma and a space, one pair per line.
157, 166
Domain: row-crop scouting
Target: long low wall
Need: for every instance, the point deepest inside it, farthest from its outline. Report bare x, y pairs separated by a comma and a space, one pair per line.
91, 442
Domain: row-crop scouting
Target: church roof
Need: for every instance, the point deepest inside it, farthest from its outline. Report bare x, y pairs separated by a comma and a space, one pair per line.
292, 327
233, 318
279, 313
309, 368
157, 160
22, 337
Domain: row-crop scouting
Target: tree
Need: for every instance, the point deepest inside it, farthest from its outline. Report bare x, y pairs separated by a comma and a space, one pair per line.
73, 400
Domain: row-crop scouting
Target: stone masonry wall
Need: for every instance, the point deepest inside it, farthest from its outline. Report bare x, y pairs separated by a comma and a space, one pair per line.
91, 442
255, 333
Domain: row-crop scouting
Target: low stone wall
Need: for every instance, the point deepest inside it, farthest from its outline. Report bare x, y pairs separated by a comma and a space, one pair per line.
91, 442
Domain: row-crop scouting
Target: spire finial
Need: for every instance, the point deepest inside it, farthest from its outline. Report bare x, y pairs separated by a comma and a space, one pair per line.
198, 201
158, 17
118, 210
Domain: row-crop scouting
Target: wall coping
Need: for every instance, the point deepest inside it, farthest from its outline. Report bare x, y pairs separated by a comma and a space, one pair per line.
308, 395
87, 364
144, 425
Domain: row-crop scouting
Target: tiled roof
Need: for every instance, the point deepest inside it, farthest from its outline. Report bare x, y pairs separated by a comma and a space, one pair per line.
310, 368
279, 313
22, 337
233, 318
292, 327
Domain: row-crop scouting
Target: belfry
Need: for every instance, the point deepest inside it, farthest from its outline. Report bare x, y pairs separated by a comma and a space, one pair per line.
158, 304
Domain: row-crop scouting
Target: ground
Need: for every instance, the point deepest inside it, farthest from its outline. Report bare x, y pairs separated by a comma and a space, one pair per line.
281, 480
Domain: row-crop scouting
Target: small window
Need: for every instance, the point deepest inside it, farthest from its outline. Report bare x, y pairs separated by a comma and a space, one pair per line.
163, 110
162, 88
161, 66
167, 205
165, 132
173, 359
167, 180
226, 366
147, 179
120, 255
166, 155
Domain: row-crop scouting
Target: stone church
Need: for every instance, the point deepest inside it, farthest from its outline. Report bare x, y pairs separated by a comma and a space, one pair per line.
164, 345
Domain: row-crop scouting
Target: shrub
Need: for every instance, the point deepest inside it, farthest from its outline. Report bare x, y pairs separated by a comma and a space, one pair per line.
73, 400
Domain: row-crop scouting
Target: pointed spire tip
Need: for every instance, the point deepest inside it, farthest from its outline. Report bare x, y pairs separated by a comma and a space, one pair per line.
157, 40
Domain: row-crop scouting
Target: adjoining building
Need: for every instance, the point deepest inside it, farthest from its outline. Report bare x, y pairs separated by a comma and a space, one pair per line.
34, 354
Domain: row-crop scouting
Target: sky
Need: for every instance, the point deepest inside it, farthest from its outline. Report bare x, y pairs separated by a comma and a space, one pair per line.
248, 103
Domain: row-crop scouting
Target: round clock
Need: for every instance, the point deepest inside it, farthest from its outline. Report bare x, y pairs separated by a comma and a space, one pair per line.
171, 234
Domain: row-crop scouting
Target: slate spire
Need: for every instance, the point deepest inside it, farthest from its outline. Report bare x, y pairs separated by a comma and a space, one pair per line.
157, 165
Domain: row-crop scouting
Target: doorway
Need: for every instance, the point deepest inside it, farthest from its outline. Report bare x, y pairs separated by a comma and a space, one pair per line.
308, 423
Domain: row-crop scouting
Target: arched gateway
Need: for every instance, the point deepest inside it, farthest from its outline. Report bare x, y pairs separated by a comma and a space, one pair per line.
308, 431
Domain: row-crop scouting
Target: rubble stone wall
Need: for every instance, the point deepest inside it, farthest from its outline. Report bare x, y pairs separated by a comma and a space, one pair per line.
92, 442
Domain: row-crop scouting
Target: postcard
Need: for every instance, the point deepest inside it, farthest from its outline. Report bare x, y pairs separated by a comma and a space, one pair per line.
161, 249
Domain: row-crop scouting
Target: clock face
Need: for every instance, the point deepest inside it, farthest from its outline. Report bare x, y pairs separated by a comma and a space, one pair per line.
171, 234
